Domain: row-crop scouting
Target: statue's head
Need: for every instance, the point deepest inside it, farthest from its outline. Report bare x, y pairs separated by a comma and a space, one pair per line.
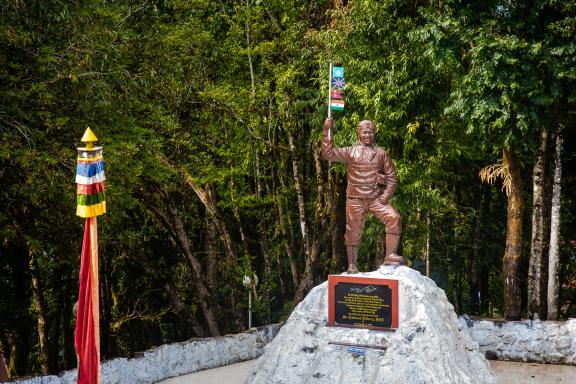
366, 133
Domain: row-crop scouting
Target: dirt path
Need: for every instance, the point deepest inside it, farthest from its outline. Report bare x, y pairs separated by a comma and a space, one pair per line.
507, 373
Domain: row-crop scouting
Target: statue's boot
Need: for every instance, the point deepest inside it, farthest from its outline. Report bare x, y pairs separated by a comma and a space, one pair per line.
352, 252
392, 258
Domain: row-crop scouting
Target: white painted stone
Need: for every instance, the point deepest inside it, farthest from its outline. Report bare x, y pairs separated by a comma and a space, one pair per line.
550, 342
428, 347
176, 359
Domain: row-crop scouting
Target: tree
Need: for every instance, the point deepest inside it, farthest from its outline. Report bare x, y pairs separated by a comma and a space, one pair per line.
507, 95
536, 283
553, 259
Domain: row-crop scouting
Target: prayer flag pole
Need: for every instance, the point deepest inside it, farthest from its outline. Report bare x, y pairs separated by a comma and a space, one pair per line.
91, 202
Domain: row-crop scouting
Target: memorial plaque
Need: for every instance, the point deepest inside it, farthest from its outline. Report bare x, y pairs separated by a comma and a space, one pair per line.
362, 302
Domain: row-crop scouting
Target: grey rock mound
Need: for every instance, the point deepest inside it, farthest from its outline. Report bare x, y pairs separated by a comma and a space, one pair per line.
429, 345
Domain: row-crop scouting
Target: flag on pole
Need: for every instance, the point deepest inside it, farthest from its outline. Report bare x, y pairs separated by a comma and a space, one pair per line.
338, 72
337, 105
337, 83
337, 94
91, 202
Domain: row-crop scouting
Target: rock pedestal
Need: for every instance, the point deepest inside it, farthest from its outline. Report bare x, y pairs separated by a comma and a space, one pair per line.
429, 345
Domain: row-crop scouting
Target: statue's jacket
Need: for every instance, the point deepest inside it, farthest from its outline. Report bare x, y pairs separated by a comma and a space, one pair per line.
371, 172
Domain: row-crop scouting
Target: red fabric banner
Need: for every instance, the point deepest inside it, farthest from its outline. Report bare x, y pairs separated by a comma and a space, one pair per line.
87, 337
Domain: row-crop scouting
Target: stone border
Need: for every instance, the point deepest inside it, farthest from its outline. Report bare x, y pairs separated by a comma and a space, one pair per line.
175, 359
549, 342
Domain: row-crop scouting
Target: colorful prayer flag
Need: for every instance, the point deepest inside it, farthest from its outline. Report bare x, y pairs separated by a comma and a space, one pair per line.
338, 72
91, 202
337, 94
338, 83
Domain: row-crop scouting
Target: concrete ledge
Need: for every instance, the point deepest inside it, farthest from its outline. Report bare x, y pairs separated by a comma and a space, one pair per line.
175, 359
549, 342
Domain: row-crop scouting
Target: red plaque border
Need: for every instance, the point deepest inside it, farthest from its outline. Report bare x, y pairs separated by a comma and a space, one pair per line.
335, 279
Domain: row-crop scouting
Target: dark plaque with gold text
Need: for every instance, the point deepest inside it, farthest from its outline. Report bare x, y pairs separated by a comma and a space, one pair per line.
362, 302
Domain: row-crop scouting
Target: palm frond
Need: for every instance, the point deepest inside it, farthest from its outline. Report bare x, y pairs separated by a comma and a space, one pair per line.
490, 173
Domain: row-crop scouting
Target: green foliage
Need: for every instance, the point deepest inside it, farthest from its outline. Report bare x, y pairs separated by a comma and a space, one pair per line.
206, 112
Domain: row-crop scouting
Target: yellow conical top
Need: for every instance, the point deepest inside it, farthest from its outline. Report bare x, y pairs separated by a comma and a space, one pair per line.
89, 138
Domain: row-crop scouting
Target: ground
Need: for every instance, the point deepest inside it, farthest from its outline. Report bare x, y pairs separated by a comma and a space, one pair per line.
506, 371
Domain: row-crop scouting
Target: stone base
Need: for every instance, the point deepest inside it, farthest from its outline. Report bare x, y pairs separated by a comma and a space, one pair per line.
429, 345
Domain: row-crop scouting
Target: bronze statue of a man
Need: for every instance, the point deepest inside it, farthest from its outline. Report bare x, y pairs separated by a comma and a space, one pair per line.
371, 183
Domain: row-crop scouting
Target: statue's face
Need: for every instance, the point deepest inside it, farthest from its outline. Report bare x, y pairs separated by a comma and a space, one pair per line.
366, 133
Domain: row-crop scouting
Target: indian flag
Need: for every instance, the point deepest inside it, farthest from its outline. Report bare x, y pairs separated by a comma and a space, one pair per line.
337, 105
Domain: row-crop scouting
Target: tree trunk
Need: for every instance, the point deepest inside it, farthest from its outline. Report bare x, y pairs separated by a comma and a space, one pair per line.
457, 293
209, 201
20, 338
207, 198
310, 255
485, 291
337, 195
331, 208
427, 245
340, 216
536, 304
267, 273
264, 248
285, 226
236, 212
56, 326
306, 281
554, 254
380, 248
473, 271
174, 224
178, 305
212, 253
484, 270
68, 352
248, 51
3, 367
287, 243
513, 252
299, 197
40, 310
181, 309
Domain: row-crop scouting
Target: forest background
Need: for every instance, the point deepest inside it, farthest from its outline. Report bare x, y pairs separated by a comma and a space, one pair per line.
210, 115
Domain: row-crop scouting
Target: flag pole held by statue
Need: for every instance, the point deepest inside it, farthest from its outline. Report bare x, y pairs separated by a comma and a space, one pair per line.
336, 85
90, 203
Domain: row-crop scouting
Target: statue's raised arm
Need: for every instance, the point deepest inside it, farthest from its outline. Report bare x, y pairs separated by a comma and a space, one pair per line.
339, 155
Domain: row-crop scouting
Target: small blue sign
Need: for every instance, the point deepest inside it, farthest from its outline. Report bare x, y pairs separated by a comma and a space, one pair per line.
338, 72
357, 350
